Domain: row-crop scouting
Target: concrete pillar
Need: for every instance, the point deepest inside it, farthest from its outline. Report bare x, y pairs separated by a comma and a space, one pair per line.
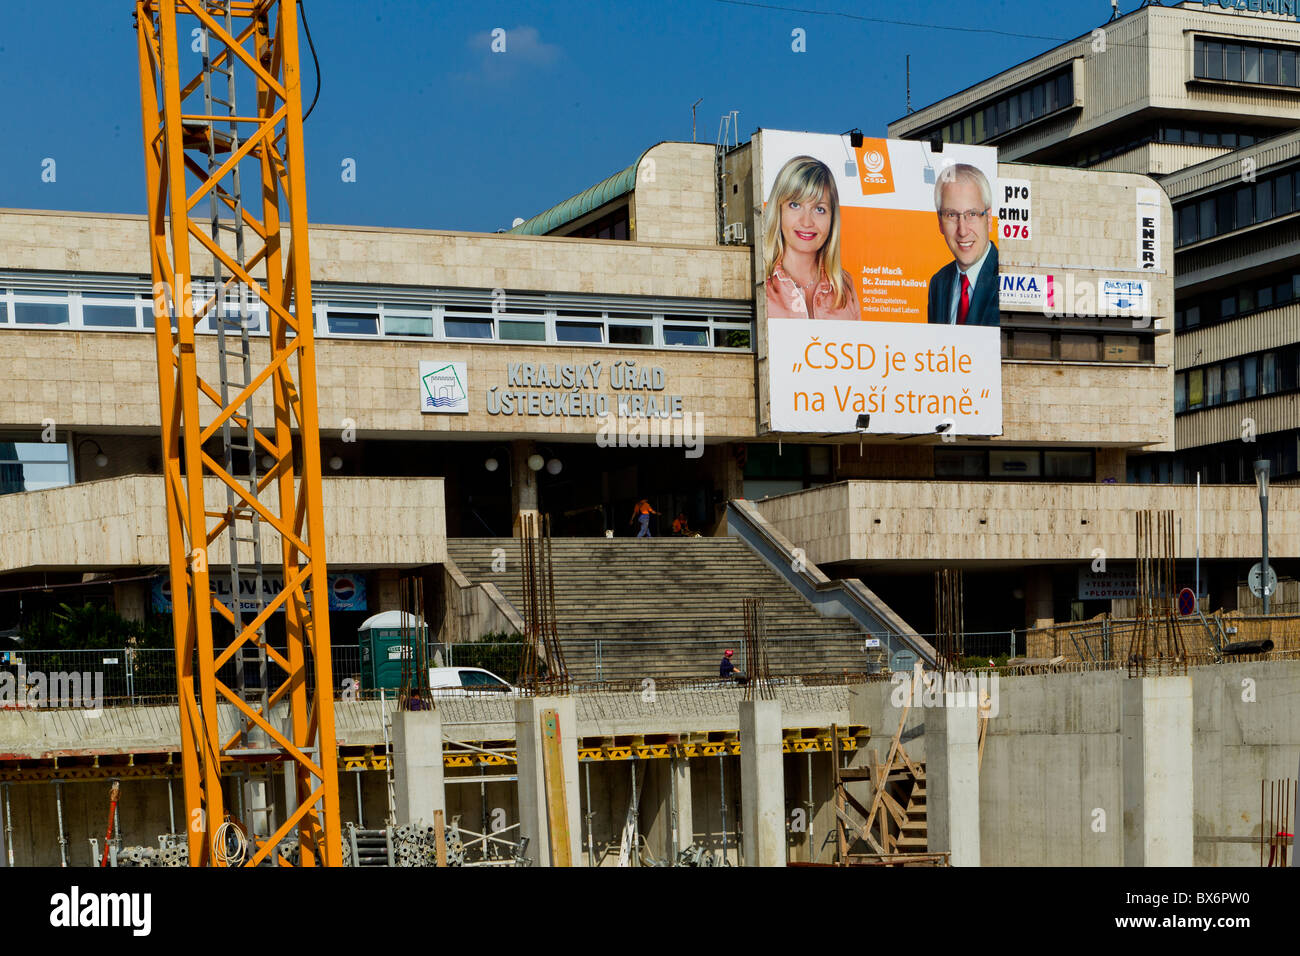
1112, 464
523, 484
952, 783
680, 778
417, 765
389, 598
1157, 728
762, 783
1039, 609
533, 820
131, 599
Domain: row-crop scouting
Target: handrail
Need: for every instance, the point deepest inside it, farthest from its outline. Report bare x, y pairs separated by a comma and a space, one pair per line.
848, 596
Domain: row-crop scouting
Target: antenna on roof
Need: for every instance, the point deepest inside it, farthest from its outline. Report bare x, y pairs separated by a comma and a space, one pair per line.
909, 83
1114, 9
693, 106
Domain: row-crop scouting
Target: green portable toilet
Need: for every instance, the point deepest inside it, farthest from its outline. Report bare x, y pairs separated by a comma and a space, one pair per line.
380, 638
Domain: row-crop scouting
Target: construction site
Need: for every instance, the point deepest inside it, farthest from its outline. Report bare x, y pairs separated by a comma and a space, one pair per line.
915, 645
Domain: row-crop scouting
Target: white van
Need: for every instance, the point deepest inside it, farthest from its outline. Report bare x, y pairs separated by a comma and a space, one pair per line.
466, 682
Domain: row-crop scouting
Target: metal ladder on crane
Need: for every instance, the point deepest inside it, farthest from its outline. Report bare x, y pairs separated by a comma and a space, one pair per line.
231, 321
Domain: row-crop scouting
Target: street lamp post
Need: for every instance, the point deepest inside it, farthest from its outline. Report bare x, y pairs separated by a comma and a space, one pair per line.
1261, 479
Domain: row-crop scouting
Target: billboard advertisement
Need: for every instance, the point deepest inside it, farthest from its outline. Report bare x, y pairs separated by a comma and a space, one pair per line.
347, 592
880, 270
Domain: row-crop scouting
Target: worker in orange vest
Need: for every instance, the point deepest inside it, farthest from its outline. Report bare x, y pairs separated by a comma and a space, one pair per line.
643, 511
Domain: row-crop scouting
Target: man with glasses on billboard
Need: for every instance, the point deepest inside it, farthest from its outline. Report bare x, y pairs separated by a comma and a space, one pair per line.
965, 291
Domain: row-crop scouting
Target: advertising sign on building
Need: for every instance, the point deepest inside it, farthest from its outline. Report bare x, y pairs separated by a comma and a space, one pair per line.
1023, 291
347, 592
881, 280
1104, 585
1124, 297
1148, 229
443, 388
1015, 209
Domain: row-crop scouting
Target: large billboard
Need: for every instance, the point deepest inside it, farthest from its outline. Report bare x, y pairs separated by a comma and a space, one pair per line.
880, 285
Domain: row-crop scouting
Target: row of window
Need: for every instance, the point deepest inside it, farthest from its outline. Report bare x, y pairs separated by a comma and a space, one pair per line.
1268, 197
1010, 463
1077, 346
1010, 111
1245, 63
1237, 379
579, 327
1227, 463
1270, 292
1182, 135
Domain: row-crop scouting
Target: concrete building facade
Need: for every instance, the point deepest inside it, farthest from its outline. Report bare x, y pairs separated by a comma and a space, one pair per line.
1203, 96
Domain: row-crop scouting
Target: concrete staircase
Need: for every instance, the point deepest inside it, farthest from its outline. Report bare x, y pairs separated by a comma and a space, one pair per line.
632, 608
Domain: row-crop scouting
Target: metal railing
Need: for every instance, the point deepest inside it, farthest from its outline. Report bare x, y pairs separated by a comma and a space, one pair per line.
124, 676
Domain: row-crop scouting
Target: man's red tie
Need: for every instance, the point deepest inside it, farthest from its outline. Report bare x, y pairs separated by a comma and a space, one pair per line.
963, 307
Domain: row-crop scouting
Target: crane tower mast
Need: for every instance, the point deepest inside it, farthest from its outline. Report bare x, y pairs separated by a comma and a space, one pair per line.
221, 96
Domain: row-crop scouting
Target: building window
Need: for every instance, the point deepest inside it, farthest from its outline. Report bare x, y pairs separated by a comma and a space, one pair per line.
1250, 376
1195, 388
1283, 195
1264, 200
1075, 465
1014, 464
1268, 66
682, 335
353, 323
1213, 385
579, 332
731, 338
1232, 62
37, 308
517, 331
1180, 392
465, 327
1208, 218
1232, 381
1213, 68
33, 466
1245, 207
421, 325
960, 463
626, 334
109, 312
1267, 374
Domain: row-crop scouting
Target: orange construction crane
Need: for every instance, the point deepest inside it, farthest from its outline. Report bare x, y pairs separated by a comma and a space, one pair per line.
258, 362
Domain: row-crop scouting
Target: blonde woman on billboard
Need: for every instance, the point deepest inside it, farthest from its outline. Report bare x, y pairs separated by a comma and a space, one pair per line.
801, 246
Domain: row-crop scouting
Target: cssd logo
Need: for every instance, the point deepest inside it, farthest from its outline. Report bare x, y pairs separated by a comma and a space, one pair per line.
874, 173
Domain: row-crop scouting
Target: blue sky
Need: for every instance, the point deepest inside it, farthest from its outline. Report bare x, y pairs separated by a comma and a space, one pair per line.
449, 135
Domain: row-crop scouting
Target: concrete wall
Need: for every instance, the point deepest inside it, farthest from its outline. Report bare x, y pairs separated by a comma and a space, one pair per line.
94, 242
123, 521
671, 201
110, 380
1055, 786
985, 521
